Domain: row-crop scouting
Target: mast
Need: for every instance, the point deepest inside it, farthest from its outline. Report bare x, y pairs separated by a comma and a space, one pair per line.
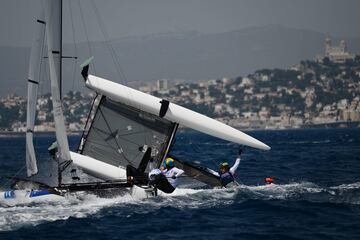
53, 12
169, 143
61, 47
60, 86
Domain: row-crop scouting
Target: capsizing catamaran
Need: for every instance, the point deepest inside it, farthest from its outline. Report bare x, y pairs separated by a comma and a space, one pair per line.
126, 127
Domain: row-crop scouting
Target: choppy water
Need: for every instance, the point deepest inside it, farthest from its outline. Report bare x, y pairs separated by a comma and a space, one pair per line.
317, 195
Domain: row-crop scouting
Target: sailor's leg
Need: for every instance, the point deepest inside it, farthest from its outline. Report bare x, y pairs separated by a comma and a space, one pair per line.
163, 184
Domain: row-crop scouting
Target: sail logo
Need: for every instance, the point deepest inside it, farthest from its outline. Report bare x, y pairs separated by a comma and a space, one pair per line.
9, 194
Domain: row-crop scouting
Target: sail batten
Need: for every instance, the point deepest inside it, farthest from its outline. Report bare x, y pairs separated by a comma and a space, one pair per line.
32, 92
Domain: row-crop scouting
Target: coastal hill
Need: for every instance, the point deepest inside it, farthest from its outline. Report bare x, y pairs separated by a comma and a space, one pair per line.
306, 94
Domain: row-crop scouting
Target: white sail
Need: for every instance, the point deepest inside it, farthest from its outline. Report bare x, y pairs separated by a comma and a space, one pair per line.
33, 82
52, 10
174, 113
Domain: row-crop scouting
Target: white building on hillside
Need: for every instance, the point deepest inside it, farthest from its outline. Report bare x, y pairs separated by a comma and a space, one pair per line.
337, 54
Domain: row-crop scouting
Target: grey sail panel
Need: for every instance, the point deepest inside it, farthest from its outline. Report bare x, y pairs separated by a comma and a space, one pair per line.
32, 91
120, 135
198, 172
52, 11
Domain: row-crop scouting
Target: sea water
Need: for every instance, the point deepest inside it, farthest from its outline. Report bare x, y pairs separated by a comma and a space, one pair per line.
316, 194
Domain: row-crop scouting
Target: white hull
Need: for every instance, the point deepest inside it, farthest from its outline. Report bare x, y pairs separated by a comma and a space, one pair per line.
97, 168
24, 197
175, 113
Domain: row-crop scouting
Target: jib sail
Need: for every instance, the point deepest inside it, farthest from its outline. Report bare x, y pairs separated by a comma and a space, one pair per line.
33, 83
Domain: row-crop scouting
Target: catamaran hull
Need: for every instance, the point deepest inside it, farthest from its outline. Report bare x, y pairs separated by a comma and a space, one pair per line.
97, 168
172, 112
25, 197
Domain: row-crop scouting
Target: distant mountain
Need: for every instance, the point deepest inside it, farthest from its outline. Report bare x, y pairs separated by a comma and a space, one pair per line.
189, 55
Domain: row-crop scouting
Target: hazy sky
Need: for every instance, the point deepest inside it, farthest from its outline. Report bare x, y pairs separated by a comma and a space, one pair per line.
124, 18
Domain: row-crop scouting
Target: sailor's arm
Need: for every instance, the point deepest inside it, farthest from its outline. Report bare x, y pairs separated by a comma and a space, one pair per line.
235, 166
178, 172
213, 172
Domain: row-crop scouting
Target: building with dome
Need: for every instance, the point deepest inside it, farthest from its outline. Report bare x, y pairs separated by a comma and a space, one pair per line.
337, 54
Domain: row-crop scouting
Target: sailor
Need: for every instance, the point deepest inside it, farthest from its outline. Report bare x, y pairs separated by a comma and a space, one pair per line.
227, 174
165, 178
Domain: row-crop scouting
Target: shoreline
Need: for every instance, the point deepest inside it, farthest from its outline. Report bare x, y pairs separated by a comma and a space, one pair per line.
350, 125
11, 133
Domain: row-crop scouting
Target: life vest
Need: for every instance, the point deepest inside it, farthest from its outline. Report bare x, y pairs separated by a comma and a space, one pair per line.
226, 178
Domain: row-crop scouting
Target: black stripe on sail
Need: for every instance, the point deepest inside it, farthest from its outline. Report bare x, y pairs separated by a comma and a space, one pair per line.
55, 52
32, 81
40, 21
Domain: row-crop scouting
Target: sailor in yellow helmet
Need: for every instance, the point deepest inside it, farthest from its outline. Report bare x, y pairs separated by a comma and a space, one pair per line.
172, 172
166, 178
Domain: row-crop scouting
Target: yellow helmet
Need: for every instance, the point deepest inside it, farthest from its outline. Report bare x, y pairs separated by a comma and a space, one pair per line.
169, 162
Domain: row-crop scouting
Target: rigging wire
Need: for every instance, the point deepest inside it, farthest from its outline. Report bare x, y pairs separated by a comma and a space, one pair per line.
115, 58
75, 45
86, 33
119, 70
112, 52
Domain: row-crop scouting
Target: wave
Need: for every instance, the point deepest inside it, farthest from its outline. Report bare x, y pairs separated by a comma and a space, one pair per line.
307, 191
306, 142
82, 205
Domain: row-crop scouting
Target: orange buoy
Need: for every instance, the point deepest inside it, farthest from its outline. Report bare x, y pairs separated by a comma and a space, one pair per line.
269, 180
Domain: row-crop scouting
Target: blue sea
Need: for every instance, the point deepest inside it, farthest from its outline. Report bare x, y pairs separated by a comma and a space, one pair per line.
316, 195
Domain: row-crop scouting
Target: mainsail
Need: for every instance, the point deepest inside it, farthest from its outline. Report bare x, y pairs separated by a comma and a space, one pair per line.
53, 34
33, 82
120, 135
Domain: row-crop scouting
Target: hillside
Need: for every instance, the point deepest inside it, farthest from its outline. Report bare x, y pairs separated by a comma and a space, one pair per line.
307, 94
187, 55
